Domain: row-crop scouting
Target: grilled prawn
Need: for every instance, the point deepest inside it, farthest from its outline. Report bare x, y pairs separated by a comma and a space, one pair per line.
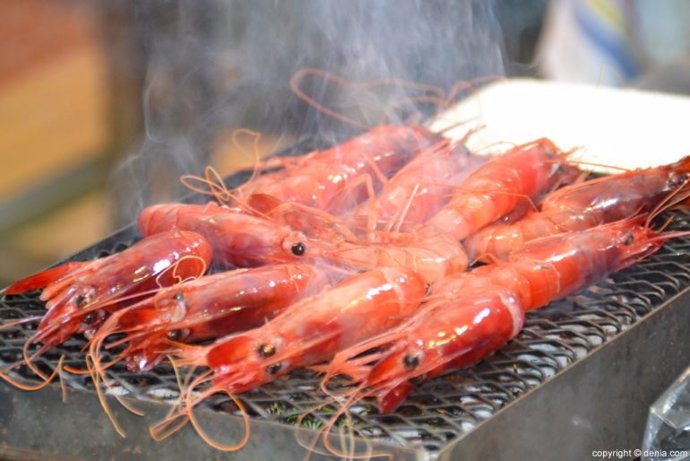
308, 332
80, 296
500, 185
584, 205
472, 314
207, 308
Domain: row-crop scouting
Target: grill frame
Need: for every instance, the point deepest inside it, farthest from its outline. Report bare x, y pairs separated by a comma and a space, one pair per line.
623, 330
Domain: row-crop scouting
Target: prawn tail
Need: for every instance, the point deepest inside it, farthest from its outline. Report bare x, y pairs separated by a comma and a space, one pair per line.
44, 278
263, 203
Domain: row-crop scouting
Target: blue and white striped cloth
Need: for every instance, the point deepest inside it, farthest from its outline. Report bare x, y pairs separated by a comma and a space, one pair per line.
589, 41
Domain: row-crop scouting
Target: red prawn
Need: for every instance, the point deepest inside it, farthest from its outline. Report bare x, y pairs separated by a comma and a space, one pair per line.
330, 181
583, 205
207, 308
238, 239
420, 188
335, 179
308, 332
501, 184
80, 295
473, 314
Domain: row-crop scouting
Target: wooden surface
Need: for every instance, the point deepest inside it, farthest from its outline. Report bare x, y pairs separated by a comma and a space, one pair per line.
56, 102
53, 92
53, 120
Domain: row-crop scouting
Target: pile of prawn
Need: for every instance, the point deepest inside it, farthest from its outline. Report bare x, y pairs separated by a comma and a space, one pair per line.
352, 261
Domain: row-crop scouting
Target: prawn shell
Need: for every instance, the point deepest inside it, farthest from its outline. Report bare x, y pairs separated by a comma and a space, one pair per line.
500, 185
433, 257
424, 185
162, 260
328, 180
445, 338
214, 306
584, 205
314, 329
553, 267
238, 239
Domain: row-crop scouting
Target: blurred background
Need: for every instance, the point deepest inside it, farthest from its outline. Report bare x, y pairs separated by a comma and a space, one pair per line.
104, 104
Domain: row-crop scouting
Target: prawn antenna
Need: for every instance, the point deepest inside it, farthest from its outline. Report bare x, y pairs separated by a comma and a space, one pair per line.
191, 401
346, 432
580, 162
471, 87
295, 82
674, 198
210, 184
256, 152
31, 387
429, 93
18, 322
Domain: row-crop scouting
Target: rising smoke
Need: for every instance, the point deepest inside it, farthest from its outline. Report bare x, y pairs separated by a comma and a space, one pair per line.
224, 64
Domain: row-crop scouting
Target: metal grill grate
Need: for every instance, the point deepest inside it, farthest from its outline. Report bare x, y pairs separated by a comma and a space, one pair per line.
440, 410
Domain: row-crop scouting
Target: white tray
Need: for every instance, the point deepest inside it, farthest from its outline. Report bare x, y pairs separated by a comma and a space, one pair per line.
622, 128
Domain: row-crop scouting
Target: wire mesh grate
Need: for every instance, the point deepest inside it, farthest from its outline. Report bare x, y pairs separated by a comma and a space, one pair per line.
440, 410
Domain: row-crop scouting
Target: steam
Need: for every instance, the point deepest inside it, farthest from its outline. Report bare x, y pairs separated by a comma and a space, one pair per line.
220, 65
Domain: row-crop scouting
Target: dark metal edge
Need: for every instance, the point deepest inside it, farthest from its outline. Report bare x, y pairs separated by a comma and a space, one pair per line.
599, 403
38, 425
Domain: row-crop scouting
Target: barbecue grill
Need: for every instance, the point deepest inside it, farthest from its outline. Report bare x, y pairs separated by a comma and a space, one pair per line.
578, 378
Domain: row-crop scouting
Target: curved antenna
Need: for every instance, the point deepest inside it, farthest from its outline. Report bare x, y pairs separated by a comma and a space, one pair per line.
256, 151
471, 86
295, 87
210, 184
190, 403
32, 387
347, 452
357, 86
101, 398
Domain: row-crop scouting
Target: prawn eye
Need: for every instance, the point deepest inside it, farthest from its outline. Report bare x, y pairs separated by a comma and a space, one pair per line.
85, 298
266, 350
676, 180
273, 369
411, 361
298, 249
628, 238
177, 335
90, 318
